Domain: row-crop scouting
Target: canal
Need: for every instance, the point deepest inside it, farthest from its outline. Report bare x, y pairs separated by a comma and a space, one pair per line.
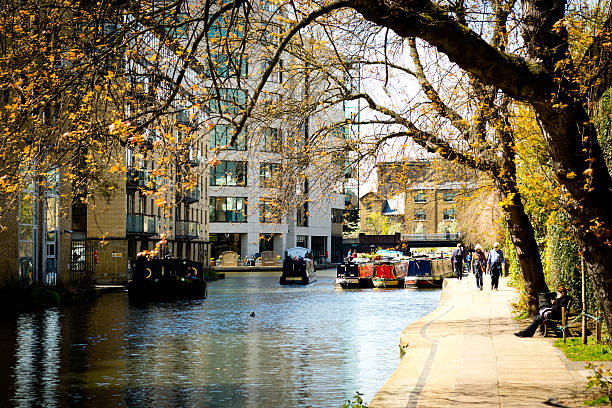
311, 346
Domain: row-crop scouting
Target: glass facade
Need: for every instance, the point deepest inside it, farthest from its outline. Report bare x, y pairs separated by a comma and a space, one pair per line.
270, 140
266, 173
221, 135
229, 173
228, 209
227, 100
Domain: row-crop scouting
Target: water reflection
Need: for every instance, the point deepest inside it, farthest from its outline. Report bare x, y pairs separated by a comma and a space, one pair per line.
306, 346
36, 373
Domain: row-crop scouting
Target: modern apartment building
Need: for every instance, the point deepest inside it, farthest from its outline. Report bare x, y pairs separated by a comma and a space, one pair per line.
266, 192
60, 231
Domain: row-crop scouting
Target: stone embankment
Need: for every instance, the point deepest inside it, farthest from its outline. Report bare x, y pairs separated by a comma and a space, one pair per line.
464, 353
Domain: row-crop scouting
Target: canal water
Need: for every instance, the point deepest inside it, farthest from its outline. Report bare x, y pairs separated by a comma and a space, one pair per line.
311, 346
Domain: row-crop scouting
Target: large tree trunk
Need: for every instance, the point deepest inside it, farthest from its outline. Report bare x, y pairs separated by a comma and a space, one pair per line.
580, 167
527, 252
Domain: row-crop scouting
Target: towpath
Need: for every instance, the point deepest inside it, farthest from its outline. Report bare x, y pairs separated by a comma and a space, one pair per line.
464, 353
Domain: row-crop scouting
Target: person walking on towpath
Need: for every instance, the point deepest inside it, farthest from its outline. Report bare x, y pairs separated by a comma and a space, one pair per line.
479, 263
457, 260
495, 262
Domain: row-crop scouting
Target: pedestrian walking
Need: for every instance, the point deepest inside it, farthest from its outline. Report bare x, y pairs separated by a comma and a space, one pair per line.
495, 262
468, 260
457, 260
479, 264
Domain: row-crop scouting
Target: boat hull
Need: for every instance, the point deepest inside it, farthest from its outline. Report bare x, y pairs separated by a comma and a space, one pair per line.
428, 273
166, 280
388, 283
298, 272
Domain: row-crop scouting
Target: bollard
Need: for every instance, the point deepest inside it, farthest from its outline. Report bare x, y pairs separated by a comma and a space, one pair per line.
563, 322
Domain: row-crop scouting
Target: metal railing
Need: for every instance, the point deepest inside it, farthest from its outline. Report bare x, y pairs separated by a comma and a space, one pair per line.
188, 196
187, 229
141, 224
432, 237
140, 178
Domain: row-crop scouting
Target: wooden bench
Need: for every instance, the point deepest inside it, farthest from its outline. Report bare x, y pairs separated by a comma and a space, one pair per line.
229, 258
555, 326
268, 258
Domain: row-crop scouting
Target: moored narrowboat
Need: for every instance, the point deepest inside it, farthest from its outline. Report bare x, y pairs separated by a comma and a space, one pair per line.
427, 273
390, 274
355, 274
298, 267
166, 280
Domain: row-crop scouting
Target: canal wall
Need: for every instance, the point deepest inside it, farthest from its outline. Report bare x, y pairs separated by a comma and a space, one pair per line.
417, 351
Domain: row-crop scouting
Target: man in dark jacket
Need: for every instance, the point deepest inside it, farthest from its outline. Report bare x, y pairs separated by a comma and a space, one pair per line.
457, 259
546, 312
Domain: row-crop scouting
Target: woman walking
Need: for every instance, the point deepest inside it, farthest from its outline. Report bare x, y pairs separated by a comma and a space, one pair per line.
479, 264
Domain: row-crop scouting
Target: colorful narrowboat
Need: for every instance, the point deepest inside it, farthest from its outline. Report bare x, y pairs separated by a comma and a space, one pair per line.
390, 274
427, 273
355, 275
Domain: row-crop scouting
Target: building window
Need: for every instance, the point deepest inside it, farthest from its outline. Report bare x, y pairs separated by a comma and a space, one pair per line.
420, 198
270, 139
336, 215
228, 209
229, 173
449, 196
269, 212
266, 173
221, 135
227, 100
301, 241
420, 215
449, 214
272, 34
276, 76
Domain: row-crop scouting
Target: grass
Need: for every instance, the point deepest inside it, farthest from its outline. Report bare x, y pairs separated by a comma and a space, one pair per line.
603, 400
576, 351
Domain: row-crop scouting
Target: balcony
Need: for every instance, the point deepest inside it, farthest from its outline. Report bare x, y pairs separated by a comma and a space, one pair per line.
139, 179
187, 230
188, 196
141, 224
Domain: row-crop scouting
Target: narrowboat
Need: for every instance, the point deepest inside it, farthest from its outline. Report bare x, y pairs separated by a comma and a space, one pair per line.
390, 274
166, 280
428, 273
298, 267
355, 274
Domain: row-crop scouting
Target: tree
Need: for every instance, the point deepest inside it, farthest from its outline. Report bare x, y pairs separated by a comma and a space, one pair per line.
556, 75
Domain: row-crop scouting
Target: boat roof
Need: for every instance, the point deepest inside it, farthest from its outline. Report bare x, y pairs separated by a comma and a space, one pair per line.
297, 252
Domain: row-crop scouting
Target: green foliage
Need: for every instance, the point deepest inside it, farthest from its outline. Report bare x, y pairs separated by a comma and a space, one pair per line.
601, 378
356, 402
515, 275
603, 400
562, 261
602, 122
576, 351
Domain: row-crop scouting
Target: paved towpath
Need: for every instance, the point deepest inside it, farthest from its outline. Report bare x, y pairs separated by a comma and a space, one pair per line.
464, 353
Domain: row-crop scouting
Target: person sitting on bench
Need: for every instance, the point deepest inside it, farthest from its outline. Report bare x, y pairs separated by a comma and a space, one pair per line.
547, 312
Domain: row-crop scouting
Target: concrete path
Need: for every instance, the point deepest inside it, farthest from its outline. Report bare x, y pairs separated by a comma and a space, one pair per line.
465, 354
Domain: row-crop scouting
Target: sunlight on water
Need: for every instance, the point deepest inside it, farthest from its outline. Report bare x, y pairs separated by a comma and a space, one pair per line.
305, 346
